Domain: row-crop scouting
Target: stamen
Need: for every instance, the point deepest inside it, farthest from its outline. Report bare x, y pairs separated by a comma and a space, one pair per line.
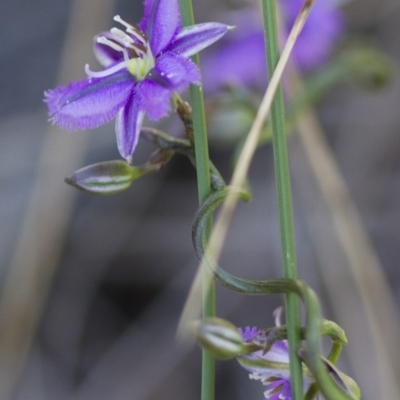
129, 42
140, 48
133, 53
107, 72
113, 45
110, 43
139, 32
133, 30
121, 34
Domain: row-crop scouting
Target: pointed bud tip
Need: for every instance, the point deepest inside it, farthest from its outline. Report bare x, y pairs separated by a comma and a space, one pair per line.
108, 177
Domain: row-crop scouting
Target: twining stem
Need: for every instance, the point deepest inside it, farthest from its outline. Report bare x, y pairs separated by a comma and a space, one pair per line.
314, 325
204, 189
284, 198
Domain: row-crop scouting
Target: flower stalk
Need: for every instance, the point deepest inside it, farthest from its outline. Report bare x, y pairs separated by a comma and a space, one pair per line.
284, 198
204, 189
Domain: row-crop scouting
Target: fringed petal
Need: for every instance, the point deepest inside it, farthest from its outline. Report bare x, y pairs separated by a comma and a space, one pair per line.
192, 39
128, 124
177, 71
89, 103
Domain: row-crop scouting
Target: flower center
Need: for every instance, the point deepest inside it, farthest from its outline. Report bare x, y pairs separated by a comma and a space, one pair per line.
135, 48
140, 67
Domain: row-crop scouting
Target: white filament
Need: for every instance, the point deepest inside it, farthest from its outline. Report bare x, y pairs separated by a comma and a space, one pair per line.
129, 28
110, 43
107, 72
113, 45
122, 35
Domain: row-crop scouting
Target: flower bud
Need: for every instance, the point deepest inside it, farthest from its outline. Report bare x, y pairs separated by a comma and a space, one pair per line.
107, 177
218, 336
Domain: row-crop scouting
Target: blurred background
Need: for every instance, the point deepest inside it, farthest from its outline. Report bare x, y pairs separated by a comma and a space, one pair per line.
92, 287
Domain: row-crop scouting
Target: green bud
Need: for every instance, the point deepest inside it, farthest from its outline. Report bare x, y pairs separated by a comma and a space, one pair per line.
107, 177
219, 337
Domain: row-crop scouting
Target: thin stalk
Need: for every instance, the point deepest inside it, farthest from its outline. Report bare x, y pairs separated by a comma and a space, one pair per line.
204, 189
284, 198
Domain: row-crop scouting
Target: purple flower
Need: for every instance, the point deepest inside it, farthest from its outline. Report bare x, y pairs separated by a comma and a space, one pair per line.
143, 66
240, 60
323, 29
271, 368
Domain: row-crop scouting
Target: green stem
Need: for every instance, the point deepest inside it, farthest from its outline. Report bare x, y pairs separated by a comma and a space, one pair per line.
284, 199
204, 189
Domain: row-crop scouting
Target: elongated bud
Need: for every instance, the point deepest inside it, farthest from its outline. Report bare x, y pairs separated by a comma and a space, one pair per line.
218, 336
107, 177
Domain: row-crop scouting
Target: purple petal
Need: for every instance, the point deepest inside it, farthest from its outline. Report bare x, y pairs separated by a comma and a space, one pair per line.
127, 127
105, 55
279, 352
153, 99
177, 72
148, 4
161, 23
192, 39
249, 333
89, 103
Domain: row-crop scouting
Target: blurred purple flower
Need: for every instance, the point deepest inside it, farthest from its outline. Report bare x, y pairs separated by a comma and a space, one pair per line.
320, 34
143, 66
240, 60
275, 377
